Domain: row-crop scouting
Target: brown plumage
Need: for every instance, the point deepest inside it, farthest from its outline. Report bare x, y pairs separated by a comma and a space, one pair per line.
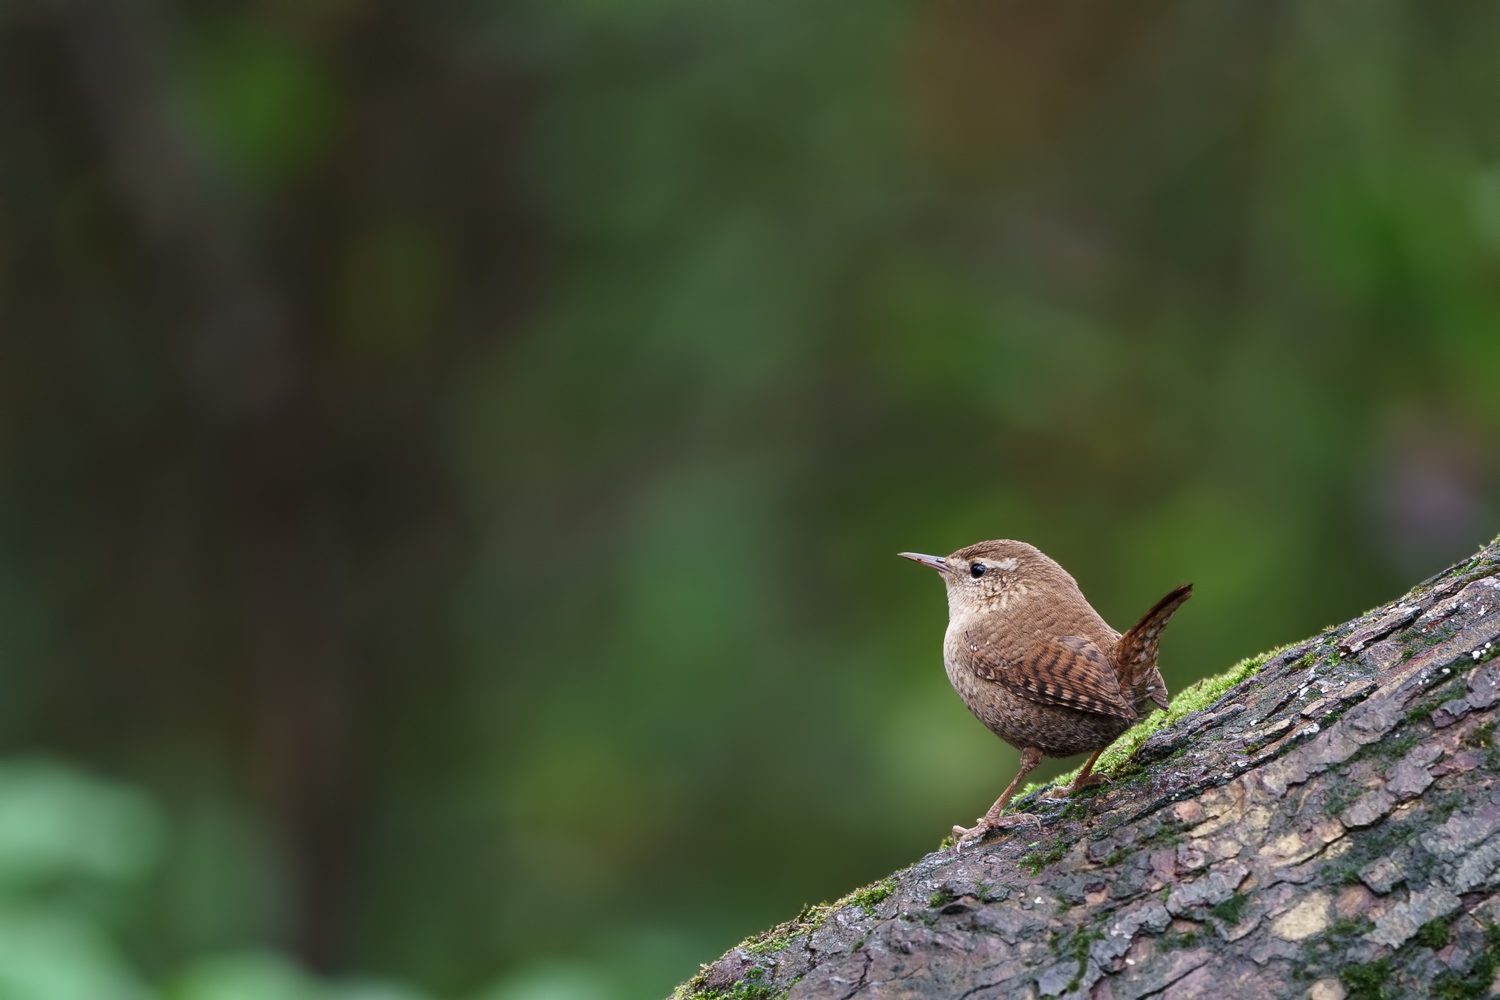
1037, 665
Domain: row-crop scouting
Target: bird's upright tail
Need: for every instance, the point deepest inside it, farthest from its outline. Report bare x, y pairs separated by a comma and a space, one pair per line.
1136, 651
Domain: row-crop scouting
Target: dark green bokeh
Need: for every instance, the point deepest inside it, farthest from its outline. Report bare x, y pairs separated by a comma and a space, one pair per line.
452, 456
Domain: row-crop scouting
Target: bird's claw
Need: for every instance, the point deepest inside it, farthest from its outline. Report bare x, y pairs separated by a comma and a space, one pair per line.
1063, 791
987, 825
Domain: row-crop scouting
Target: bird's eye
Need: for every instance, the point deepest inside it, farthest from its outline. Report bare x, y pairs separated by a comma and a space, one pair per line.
977, 569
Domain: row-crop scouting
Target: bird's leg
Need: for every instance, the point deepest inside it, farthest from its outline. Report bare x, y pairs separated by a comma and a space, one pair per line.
992, 820
1084, 779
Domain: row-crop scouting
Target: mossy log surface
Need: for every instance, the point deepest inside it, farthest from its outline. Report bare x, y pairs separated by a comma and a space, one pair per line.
1327, 827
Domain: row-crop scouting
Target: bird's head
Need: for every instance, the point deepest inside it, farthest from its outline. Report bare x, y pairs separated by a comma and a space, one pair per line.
991, 575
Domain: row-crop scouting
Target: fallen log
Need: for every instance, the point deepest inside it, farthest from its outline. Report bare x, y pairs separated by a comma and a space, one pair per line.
1321, 821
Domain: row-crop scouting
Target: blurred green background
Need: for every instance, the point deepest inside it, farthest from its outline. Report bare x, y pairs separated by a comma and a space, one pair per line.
453, 453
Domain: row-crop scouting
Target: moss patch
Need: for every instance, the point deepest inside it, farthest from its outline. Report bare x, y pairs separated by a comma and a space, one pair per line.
1396, 746
1434, 934
773, 940
867, 897
1341, 796
1367, 982
752, 987
1232, 910
1193, 698
1475, 983
1034, 862
813, 916
1076, 947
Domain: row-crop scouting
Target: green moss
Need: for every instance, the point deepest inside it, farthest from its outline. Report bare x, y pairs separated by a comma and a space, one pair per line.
1174, 940
1445, 804
1453, 986
1416, 640
1166, 833
1367, 982
1347, 929
1389, 748
1475, 983
1323, 954
814, 914
751, 987
1396, 746
1193, 698
1232, 910
1037, 860
1341, 795
773, 940
1434, 934
1475, 570
1078, 802
1076, 947
694, 987
1386, 839
870, 895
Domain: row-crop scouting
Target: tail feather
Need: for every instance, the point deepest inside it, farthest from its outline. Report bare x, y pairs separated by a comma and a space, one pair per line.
1135, 653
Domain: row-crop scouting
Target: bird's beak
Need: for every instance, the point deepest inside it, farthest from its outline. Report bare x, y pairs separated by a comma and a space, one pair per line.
936, 562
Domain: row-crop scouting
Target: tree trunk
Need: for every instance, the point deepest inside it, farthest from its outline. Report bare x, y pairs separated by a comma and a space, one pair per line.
1328, 827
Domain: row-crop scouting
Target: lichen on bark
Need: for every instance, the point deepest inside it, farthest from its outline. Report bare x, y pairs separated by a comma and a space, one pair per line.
1323, 821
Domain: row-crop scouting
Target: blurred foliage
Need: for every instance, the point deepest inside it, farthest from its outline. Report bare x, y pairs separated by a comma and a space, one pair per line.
77, 856
452, 455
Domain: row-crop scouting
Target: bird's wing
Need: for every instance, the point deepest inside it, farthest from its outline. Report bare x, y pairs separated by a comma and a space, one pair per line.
1069, 671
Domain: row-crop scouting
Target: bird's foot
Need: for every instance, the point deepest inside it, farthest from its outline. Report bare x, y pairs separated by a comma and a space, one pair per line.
988, 825
1063, 791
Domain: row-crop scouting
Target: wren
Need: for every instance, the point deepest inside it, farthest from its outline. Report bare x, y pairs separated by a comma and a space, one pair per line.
1037, 664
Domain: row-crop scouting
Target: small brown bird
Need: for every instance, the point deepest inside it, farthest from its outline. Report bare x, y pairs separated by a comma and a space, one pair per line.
1038, 666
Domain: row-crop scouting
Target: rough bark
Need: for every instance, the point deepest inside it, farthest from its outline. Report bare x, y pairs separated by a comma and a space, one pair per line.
1329, 827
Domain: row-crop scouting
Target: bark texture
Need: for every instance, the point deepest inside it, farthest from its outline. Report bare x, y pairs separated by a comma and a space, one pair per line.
1328, 828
